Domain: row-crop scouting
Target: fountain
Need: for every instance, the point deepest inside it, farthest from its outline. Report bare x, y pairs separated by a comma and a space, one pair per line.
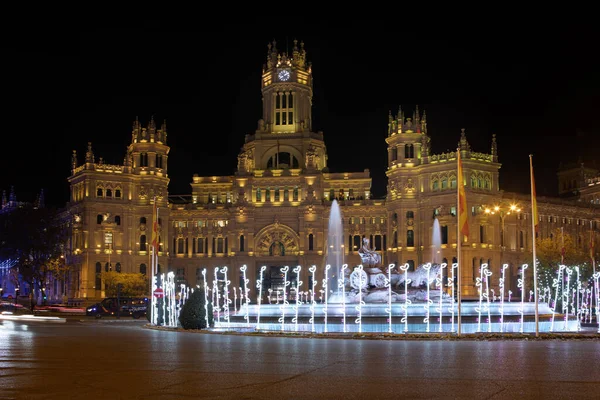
335, 245
436, 241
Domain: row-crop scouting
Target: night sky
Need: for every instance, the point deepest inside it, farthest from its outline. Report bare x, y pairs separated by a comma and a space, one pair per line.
537, 89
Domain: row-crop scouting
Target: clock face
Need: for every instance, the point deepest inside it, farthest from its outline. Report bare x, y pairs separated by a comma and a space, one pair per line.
284, 75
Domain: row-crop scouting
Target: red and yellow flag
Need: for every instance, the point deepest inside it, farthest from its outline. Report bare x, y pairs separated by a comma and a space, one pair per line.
463, 220
155, 228
534, 211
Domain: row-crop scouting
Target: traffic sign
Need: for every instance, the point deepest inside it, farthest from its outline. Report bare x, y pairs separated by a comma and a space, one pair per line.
159, 293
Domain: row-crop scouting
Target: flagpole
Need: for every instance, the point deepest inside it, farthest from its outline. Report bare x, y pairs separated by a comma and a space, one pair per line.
592, 248
533, 223
459, 181
562, 250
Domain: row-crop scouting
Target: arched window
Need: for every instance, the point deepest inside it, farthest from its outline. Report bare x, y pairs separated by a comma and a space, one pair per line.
143, 269
453, 182
267, 195
99, 192
242, 243
107, 267
159, 163
108, 193
98, 281
143, 221
395, 239
480, 183
487, 184
143, 243
394, 153
411, 265
331, 194
410, 238
473, 181
117, 220
444, 183
180, 246
435, 185
410, 214
118, 193
99, 218
286, 194
311, 242
118, 267
295, 198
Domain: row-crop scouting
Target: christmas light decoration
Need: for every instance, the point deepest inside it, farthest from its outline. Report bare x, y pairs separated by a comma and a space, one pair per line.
407, 301
342, 285
259, 286
501, 286
556, 283
566, 299
388, 284
284, 303
243, 269
226, 300
361, 302
439, 284
205, 298
312, 270
298, 284
216, 294
452, 301
521, 285
428, 301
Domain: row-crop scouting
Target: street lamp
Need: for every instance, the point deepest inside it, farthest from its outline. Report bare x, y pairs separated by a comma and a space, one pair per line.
503, 211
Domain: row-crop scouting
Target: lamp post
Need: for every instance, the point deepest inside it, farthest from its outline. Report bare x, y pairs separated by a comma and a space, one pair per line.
503, 211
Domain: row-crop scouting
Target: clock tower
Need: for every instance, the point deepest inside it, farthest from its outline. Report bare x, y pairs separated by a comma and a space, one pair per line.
287, 91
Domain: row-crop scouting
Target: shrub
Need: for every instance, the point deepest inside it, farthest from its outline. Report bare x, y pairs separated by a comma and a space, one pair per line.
193, 312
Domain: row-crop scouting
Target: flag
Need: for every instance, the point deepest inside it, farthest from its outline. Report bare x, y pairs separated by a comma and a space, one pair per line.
155, 228
463, 221
534, 212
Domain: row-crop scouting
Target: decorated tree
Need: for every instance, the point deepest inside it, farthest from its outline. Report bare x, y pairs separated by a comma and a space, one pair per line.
34, 237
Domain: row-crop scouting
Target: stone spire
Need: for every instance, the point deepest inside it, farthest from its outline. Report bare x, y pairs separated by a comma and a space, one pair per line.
151, 128
89, 155
136, 130
424, 122
417, 119
463, 144
494, 149
163, 132
74, 159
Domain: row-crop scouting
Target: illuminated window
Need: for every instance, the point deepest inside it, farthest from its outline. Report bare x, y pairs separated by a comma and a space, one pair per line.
410, 238
453, 182
311, 242
444, 183
258, 196
295, 198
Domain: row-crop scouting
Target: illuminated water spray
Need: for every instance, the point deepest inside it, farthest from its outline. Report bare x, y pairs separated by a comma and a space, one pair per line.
360, 300
312, 270
406, 299
388, 285
439, 283
284, 304
521, 285
259, 286
296, 306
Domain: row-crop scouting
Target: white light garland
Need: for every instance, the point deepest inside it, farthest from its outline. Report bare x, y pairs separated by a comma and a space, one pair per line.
243, 268
407, 301
285, 302
259, 286
566, 299
439, 283
521, 284
312, 270
296, 306
325, 290
205, 298
388, 284
342, 285
452, 301
428, 301
216, 294
501, 286
226, 300
361, 302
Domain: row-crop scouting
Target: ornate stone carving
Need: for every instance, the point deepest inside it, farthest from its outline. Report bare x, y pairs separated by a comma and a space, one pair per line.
142, 193
409, 187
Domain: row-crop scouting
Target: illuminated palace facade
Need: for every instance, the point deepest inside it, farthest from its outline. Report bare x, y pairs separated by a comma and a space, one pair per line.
274, 210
